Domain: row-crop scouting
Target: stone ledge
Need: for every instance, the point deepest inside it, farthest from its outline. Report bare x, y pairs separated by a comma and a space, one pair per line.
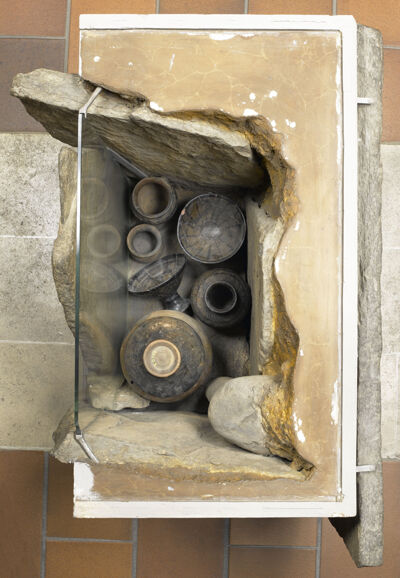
195, 451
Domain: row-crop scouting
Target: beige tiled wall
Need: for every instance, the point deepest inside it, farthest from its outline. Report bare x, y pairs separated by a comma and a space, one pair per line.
38, 536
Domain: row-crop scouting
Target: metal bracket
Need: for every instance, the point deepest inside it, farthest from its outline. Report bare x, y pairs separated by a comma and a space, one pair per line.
94, 95
82, 442
365, 100
368, 468
78, 433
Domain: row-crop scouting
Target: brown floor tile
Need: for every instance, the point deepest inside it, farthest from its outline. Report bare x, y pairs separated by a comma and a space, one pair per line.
60, 521
88, 560
285, 7
180, 548
23, 55
21, 486
271, 563
391, 95
33, 17
204, 7
274, 531
336, 560
100, 7
384, 15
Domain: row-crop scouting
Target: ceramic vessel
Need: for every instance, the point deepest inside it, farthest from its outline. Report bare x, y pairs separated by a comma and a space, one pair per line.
104, 242
161, 279
153, 200
220, 298
166, 356
144, 243
211, 228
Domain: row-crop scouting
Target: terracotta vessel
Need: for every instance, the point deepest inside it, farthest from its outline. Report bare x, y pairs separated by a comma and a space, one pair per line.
144, 243
166, 356
104, 242
153, 200
220, 298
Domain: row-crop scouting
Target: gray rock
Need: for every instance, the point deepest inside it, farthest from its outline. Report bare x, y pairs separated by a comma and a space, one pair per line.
63, 259
235, 411
178, 445
264, 235
111, 392
363, 535
95, 340
200, 148
243, 411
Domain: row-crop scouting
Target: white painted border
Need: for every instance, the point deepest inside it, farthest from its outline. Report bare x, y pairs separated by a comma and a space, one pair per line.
346, 25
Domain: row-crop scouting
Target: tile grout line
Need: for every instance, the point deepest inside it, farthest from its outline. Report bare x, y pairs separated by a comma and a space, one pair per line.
157, 6
391, 47
101, 540
52, 237
19, 342
227, 531
44, 514
29, 37
246, 6
271, 547
318, 553
334, 7
134, 546
67, 27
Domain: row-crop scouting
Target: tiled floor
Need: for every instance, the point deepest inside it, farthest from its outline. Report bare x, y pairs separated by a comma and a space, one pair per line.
46, 34
39, 538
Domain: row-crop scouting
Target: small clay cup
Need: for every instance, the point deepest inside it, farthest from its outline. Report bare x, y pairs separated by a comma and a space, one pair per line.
144, 243
95, 203
104, 242
153, 200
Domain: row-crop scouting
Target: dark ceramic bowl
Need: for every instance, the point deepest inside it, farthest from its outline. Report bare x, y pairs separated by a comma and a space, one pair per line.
161, 279
211, 228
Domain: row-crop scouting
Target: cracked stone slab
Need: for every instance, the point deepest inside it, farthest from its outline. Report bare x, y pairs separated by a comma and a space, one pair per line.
363, 535
216, 156
195, 451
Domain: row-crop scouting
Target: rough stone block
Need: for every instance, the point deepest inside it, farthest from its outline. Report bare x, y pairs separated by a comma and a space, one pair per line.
363, 534
29, 307
29, 202
195, 451
36, 384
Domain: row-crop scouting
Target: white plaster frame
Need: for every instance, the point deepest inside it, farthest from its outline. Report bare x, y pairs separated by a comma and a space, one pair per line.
86, 502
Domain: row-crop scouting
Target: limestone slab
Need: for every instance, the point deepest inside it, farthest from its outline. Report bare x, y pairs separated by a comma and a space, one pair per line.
363, 534
179, 70
29, 184
36, 385
200, 154
391, 300
179, 444
29, 307
390, 154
